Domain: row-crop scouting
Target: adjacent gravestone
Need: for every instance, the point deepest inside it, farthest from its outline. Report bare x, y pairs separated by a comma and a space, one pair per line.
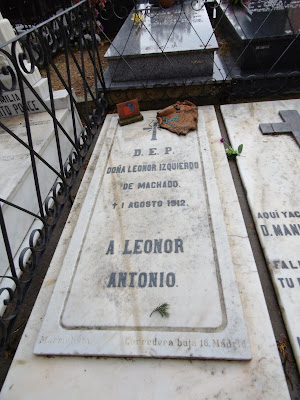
6, 34
270, 171
11, 100
177, 42
150, 233
263, 31
16, 180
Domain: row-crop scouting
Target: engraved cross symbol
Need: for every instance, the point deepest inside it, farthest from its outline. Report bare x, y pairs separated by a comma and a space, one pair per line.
291, 125
152, 126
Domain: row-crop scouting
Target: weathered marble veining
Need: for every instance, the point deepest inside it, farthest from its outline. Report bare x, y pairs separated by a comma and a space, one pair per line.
270, 171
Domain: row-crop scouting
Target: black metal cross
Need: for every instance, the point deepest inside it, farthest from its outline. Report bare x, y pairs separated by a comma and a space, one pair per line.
291, 125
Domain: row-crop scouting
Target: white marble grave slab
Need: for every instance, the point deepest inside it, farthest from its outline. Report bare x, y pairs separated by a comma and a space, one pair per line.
32, 377
152, 233
270, 171
16, 178
11, 101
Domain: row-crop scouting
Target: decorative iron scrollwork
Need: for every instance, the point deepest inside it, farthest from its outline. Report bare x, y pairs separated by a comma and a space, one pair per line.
39, 48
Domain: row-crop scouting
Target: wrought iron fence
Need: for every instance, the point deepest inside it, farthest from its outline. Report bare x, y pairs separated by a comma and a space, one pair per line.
31, 12
147, 59
44, 137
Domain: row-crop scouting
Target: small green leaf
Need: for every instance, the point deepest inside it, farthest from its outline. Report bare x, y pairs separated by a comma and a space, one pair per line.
240, 148
162, 309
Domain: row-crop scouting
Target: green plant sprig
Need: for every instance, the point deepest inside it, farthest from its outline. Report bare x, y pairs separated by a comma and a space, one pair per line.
162, 309
230, 152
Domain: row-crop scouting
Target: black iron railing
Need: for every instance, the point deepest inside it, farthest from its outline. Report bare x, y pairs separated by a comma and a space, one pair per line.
32, 12
48, 165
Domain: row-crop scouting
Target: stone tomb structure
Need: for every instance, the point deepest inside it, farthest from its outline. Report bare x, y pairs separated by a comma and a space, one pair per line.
270, 171
10, 101
261, 377
154, 235
16, 180
174, 43
263, 33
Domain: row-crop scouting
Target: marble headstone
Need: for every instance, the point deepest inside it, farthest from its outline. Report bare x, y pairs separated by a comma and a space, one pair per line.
11, 100
270, 171
6, 34
17, 181
150, 232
